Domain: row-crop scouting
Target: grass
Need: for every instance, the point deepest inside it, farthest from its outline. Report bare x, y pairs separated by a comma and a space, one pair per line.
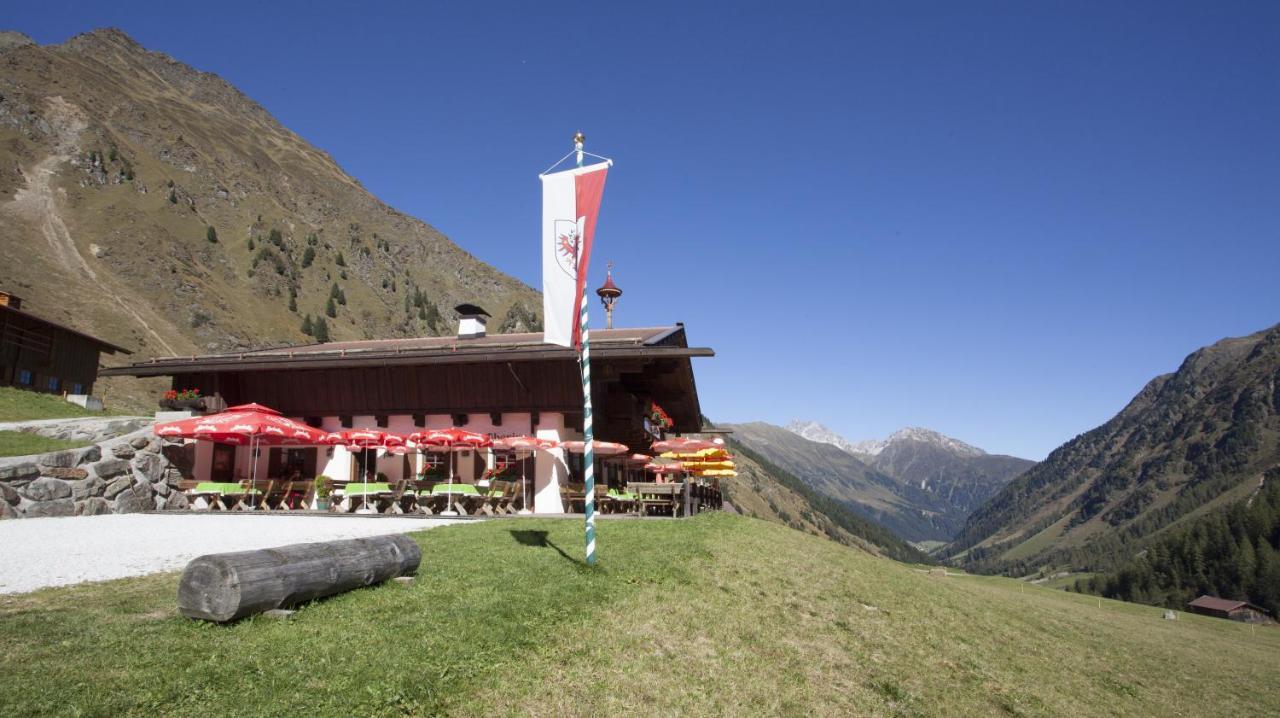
23, 405
1070, 579
717, 615
21, 443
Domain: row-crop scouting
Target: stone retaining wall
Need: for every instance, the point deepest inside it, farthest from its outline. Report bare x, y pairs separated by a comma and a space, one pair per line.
132, 473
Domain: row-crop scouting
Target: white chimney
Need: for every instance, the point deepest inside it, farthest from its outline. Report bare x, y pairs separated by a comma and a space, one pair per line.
471, 321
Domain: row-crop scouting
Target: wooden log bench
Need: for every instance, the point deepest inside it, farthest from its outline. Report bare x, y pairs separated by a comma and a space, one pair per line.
224, 587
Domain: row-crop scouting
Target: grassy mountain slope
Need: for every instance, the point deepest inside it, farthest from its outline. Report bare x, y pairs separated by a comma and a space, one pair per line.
716, 615
1234, 553
115, 165
1190, 442
903, 508
763, 490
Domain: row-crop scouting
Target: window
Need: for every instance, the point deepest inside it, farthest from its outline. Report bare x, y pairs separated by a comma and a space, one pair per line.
77, 388
52, 383
24, 377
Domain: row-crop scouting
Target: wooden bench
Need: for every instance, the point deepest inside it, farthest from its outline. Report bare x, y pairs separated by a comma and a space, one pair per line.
665, 498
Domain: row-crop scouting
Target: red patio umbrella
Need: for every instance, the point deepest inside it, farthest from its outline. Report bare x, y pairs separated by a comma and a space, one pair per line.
603, 448
242, 424
683, 445
245, 424
449, 440
355, 439
665, 467
528, 444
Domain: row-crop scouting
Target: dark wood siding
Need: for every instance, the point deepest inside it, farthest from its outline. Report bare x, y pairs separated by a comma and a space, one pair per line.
30, 344
469, 388
621, 390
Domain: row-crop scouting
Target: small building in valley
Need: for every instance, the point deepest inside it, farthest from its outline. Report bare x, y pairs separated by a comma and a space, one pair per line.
1226, 608
45, 356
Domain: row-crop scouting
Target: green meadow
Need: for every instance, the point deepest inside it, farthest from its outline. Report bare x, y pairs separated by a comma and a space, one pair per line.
715, 615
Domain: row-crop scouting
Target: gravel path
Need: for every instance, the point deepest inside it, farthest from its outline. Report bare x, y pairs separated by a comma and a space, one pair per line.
40, 552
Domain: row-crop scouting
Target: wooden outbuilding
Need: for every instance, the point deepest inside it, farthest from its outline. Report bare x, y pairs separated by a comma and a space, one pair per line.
1226, 608
45, 356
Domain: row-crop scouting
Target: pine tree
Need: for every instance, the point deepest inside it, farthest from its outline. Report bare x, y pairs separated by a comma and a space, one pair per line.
211, 234
293, 304
251, 245
322, 331
340, 260
173, 196
308, 257
307, 327
331, 309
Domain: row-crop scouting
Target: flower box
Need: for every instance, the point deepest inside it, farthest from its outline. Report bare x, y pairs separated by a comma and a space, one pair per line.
196, 404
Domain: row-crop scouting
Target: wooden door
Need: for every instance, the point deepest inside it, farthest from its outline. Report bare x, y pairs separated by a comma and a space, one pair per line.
224, 463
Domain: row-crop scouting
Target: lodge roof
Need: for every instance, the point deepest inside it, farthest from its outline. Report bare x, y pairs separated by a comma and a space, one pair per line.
7, 311
646, 342
1213, 603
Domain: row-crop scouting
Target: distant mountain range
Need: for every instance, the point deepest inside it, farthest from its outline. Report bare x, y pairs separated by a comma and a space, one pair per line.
1189, 445
764, 490
158, 207
918, 483
910, 435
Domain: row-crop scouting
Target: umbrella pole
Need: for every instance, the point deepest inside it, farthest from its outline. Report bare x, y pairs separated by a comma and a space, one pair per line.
448, 497
253, 472
524, 485
364, 499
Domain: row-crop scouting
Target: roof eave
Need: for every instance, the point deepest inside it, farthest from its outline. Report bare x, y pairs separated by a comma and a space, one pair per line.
161, 367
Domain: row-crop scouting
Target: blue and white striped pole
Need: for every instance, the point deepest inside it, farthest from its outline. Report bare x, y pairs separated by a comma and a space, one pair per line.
588, 452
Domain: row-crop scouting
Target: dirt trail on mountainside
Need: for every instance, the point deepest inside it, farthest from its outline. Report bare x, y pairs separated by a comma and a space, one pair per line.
38, 204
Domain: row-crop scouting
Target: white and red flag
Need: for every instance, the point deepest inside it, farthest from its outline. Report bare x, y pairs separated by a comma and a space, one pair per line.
570, 205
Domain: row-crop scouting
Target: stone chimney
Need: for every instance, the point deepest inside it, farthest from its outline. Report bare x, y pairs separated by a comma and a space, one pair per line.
471, 321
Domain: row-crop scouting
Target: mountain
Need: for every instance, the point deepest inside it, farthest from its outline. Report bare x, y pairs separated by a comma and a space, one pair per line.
1229, 553
905, 509
814, 431
943, 478
917, 435
160, 208
1190, 444
763, 490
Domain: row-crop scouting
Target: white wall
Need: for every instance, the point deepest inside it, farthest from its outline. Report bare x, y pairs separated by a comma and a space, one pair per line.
551, 472
336, 462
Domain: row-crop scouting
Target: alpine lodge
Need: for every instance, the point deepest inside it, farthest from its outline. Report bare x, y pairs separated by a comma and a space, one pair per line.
368, 415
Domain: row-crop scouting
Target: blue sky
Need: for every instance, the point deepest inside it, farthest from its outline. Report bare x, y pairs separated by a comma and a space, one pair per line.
998, 220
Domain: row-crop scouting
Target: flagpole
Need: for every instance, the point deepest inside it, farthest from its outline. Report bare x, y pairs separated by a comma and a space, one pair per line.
588, 453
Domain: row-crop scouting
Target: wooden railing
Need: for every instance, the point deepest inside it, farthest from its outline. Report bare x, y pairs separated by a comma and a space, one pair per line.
683, 499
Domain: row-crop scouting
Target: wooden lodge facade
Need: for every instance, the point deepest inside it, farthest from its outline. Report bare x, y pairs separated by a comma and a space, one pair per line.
504, 385
45, 356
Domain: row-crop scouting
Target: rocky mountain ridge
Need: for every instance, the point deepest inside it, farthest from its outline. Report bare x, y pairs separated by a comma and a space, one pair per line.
1192, 442
158, 207
952, 478
815, 431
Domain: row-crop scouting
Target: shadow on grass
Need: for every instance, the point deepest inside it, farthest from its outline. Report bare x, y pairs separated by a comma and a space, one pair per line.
538, 539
